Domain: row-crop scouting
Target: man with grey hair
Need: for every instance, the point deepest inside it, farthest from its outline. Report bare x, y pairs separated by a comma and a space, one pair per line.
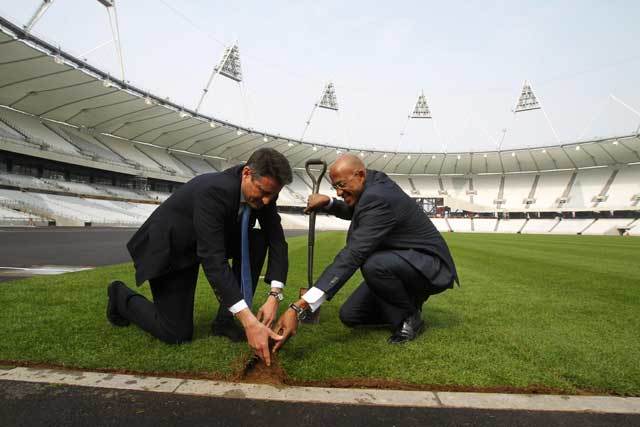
402, 256
208, 221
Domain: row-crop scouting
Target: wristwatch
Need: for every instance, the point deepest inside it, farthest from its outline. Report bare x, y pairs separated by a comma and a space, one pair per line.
301, 312
277, 295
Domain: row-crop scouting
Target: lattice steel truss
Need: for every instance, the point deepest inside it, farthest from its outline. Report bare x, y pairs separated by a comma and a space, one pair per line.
230, 64
421, 110
527, 100
329, 100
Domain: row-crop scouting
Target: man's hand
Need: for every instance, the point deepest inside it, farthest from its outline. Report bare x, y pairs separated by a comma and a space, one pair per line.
287, 327
316, 201
267, 313
257, 335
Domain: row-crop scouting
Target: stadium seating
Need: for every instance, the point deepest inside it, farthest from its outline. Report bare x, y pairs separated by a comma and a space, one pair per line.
551, 186
484, 225
196, 164
166, 161
625, 185
441, 224
129, 151
572, 226
608, 226
516, 189
460, 225
510, 225
539, 226
23, 181
33, 129
587, 185
85, 143
486, 188
12, 217
427, 186
76, 187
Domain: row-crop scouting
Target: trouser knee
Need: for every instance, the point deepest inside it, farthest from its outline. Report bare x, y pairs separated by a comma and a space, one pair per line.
176, 336
346, 316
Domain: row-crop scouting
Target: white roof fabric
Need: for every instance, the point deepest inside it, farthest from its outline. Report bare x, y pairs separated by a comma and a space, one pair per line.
71, 91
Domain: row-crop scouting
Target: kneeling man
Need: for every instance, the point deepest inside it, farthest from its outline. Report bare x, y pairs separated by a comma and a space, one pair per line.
402, 256
209, 221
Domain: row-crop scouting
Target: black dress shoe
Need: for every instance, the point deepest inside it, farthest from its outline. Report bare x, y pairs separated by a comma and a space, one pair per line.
228, 328
409, 330
114, 317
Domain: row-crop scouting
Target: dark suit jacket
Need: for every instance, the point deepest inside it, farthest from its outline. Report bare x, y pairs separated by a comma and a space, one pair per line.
385, 218
199, 224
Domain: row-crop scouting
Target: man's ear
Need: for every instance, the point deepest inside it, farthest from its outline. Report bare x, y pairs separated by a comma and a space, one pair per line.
246, 171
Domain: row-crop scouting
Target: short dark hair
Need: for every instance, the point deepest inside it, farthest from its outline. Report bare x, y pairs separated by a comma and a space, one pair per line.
271, 163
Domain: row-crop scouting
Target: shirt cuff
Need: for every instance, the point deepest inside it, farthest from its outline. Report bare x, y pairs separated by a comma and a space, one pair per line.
315, 297
331, 199
240, 305
277, 284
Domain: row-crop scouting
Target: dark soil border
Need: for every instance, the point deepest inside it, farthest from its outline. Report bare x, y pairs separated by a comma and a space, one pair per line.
251, 370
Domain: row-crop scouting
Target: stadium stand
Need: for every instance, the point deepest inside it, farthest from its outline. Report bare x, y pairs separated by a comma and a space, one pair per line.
33, 130
517, 188
510, 225
572, 226
484, 225
485, 192
551, 187
197, 165
623, 189
441, 224
85, 143
539, 226
128, 150
460, 225
77, 157
166, 162
427, 186
13, 217
586, 187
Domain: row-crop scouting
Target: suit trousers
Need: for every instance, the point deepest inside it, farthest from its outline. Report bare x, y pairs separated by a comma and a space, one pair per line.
392, 290
169, 317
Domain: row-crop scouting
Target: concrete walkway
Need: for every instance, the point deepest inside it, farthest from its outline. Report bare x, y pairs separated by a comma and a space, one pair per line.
318, 395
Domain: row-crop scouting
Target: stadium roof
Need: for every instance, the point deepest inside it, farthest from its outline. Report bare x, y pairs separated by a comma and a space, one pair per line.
39, 79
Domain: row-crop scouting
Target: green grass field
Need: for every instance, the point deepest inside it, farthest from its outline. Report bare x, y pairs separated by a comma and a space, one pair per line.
559, 313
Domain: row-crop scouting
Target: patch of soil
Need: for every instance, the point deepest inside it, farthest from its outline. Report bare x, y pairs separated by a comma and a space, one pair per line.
255, 371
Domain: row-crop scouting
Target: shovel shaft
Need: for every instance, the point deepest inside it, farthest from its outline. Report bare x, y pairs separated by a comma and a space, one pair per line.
315, 179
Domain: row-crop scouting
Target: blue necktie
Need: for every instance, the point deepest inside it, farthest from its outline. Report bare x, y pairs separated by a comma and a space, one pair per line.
245, 266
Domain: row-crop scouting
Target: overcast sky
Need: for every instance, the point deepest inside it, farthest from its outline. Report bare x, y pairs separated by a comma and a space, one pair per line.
470, 58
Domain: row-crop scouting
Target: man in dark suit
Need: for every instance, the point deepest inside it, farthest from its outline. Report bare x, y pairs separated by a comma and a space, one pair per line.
200, 224
402, 256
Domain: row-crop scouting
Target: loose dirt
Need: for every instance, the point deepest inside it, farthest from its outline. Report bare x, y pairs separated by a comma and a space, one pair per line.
255, 371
